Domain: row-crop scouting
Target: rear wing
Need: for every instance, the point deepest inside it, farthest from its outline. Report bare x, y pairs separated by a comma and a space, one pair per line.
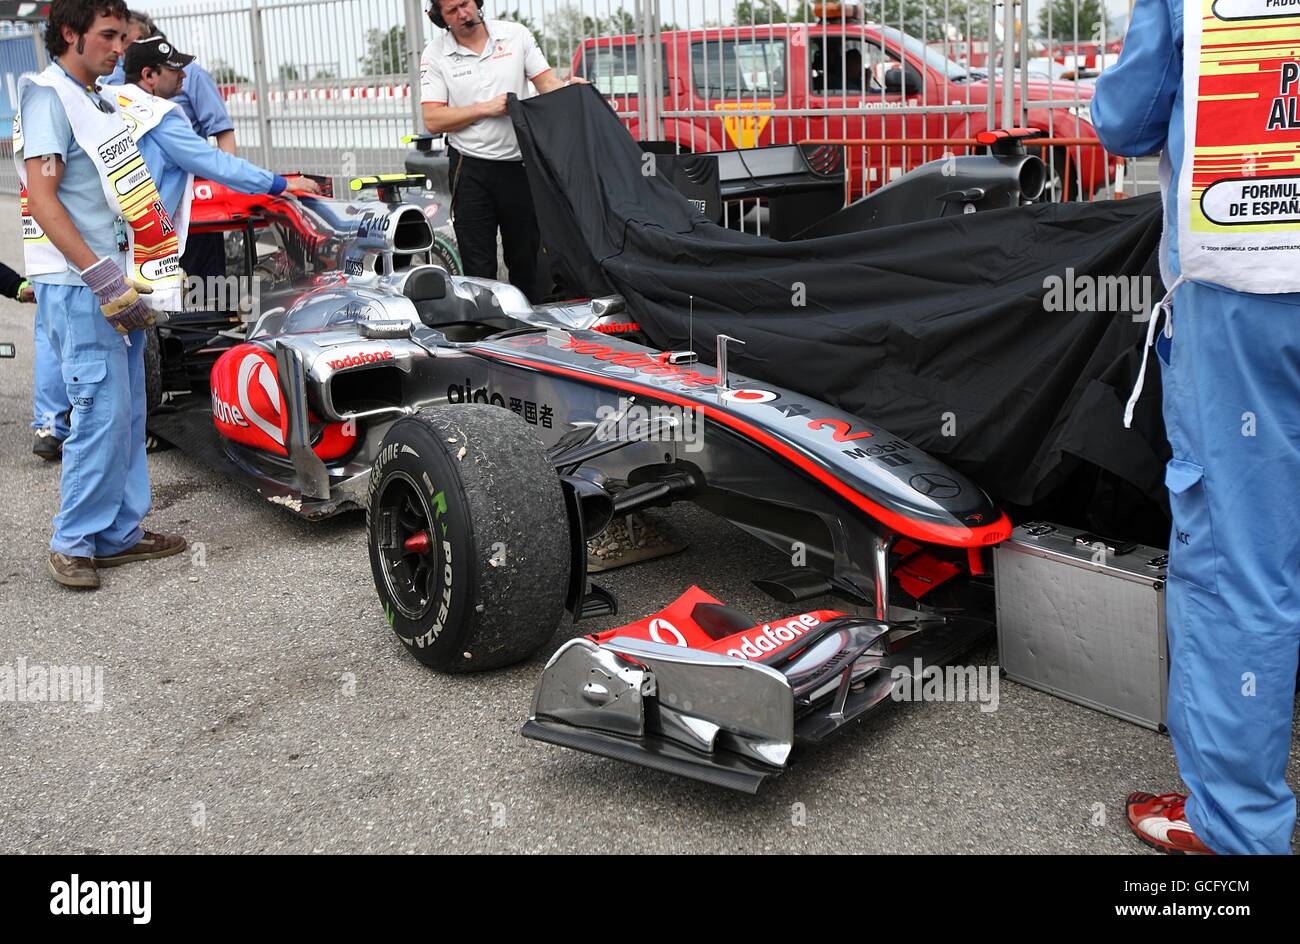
802, 183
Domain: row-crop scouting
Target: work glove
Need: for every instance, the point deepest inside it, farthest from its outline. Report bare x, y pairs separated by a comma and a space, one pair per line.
119, 297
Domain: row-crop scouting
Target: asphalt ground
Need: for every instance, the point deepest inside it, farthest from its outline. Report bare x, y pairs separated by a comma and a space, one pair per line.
255, 700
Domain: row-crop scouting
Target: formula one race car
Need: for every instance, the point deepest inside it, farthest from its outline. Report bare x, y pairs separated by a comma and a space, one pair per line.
490, 439
478, 519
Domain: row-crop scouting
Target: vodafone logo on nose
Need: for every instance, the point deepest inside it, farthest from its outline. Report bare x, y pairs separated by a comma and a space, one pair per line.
748, 396
767, 638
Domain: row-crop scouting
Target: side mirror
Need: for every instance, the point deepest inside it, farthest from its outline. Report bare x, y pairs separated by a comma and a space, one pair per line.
607, 305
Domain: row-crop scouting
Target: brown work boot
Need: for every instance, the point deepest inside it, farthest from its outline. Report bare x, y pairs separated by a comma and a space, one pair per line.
74, 571
48, 446
150, 547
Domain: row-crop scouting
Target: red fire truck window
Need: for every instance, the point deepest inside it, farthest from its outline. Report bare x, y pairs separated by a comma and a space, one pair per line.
614, 69
736, 68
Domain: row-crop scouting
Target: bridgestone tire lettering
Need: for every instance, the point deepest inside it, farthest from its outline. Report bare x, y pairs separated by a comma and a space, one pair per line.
483, 474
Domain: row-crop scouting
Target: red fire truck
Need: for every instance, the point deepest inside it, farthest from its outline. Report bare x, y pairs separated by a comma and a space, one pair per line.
843, 81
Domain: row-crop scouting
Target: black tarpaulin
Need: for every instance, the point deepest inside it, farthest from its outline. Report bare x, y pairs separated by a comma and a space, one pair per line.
951, 333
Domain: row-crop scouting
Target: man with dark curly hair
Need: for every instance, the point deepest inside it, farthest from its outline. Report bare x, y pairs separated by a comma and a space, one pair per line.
95, 236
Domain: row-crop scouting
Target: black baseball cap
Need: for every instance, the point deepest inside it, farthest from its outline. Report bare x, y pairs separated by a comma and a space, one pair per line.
154, 52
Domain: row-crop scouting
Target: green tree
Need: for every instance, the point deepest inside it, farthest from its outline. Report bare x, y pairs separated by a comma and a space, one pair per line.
385, 51
224, 74
288, 73
763, 12
1057, 19
934, 19
518, 17
937, 19
567, 27
621, 23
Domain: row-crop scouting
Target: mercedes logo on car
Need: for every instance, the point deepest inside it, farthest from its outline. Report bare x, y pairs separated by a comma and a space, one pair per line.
932, 485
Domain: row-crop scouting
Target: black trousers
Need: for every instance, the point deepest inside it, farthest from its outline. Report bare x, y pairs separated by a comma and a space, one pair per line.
204, 258
487, 195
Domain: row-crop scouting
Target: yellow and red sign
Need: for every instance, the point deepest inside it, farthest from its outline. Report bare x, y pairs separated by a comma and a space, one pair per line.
1246, 158
744, 130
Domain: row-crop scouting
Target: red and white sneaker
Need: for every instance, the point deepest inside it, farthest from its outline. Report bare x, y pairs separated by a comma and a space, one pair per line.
1160, 822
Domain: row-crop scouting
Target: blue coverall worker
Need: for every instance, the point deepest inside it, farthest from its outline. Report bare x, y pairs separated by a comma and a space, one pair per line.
89, 318
205, 109
201, 101
1231, 384
173, 150
200, 98
13, 285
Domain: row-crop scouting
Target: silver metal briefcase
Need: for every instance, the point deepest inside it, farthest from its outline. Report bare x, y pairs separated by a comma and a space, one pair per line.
1084, 618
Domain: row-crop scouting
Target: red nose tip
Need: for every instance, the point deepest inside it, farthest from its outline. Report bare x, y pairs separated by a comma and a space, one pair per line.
417, 543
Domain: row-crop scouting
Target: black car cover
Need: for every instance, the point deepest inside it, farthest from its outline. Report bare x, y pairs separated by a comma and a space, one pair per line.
978, 337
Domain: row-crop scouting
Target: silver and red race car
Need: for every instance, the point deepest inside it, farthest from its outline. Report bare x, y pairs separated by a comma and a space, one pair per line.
489, 439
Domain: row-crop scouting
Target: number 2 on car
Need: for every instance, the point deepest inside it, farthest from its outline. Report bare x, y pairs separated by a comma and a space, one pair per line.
841, 428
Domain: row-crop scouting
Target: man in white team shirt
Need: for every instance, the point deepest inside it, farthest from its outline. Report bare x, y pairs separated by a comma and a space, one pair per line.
466, 73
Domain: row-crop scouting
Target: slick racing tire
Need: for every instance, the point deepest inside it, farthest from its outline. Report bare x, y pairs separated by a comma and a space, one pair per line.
469, 538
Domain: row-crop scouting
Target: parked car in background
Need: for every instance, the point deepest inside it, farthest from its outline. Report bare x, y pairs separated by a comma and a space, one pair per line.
836, 79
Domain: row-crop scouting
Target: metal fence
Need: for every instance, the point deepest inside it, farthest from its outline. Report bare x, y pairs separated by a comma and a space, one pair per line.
332, 86
897, 82
20, 52
326, 86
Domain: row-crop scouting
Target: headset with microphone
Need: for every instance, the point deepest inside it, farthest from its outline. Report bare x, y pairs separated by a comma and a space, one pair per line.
435, 14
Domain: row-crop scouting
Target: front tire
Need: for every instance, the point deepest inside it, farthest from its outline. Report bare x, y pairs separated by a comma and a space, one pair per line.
485, 586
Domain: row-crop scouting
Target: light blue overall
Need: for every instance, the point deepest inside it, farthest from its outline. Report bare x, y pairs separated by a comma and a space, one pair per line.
84, 366
104, 492
49, 398
1231, 375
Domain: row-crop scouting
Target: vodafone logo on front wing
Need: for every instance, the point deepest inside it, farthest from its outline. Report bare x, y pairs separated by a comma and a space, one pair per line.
768, 638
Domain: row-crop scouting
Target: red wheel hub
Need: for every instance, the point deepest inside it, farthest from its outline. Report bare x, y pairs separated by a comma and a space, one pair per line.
417, 543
